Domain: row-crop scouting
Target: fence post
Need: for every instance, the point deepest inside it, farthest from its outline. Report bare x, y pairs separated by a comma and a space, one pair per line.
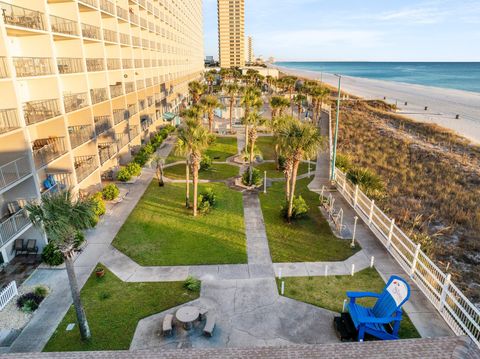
443, 296
355, 197
415, 259
390, 232
370, 215
344, 184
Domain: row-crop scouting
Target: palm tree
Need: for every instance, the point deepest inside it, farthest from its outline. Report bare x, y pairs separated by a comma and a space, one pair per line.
298, 100
209, 103
300, 140
231, 90
318, 94
193, 112
159, 161
196, 90
63, 217
289, 85
210, 78
251, 100
254, 120
278, 105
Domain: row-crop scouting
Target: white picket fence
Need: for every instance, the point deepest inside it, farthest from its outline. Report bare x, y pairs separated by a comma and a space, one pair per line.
460, 314
6, 295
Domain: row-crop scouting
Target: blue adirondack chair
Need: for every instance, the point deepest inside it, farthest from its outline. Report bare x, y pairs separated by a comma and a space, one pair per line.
387, 310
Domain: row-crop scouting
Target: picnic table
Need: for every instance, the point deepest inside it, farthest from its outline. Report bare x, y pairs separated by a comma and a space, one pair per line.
187, 315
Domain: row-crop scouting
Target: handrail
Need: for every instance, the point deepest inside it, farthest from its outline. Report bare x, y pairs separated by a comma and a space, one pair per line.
8, 120
14, 171
22, 17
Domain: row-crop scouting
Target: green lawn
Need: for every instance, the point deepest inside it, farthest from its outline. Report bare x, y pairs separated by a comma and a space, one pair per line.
161, 231
113, 310
306, 240
222, 148
329, 292
218, 171
265, 145
272, 172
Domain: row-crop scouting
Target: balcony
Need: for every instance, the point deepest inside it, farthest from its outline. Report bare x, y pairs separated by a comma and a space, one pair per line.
102, 124
75, 101
63, 181
145, 43
8, 120
133, 18
141, 105
150, 101
116, 90
136, 41
14, 171
122, 139
84, 166
106, 151
38, 111
91, 32
92, 3
138, 63
45, 150
95, 64
98, 95
119, 115
80, 134
127, 63
22, 17
109, 35
33, 66
132, 109
69, 65
3, 68
124, 39
113, 64
129, 87
133, 132
146, 122
140, 84
122, 13
107, 6
61, 25
12, 226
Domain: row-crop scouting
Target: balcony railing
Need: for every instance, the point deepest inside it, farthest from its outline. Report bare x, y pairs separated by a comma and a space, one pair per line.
63, 26
133, 18
37, 111
138, 63
124, 39
127, 63
107, 6
129, 87
90, 31
119, 115
113, 64
98, 95
140, 84
109, 35
135, 41
22, 17
80, 134
145, 43
116, 90
148, 82
75, 101
13, 225
102, 124
122, 13
95, 64
45, 150
3, 68
133, 132
150, 101
8, 120
122, 139
92, 3
146, 122
63, 181
141, 104
33, 66
132, 109
85, 166
69, 65
14, 171
106, 151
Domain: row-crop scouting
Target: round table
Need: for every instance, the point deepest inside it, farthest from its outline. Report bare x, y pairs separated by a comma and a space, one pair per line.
187, 315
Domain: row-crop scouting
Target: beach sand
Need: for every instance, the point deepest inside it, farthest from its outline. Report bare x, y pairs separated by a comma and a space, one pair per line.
443, 104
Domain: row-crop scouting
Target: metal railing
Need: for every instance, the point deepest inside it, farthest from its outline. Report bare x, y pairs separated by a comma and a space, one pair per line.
3, 67
146, 123
98, 95
122, 139
460, 314
119, 115
75, 101
136, 41
80, 134
122, 13
14, 171
8, 293
133, 132
95, 64
69, 65
22, 17
33, 66
129, 87
46, 150
84, 166
13, 225
113, 64
90, 31
63, 181
63, 26
116, 90
109, 35
92, 3
124, 39
40, 110
8, 120
107, 6
140, 84
132, 109
138, 63
127, 63
102, 124
133, 18
106, 151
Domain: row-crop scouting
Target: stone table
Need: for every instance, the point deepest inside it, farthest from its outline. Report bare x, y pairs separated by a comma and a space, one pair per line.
187, 315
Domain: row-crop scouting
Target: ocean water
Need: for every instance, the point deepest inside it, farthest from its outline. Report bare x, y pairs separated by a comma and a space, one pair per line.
454, 75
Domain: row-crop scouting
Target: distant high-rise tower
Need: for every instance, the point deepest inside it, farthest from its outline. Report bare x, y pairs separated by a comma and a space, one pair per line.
231, 33
250, 55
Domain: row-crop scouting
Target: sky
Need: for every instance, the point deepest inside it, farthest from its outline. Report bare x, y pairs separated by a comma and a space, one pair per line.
357, 30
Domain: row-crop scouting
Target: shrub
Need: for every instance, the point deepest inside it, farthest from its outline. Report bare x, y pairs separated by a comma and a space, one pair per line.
281, 163
257, 178
110, 192
205, 163
192, 284
203, 206
134, 169
368, 181
343, 162
299, 208
99, 207
124, 175
29, 302
51, 255
41, 291
141, 158
208, 196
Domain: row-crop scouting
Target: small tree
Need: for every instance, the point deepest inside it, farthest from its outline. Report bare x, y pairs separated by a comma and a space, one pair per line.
196, 90
254, 120
231, 90
209, 103
159, 161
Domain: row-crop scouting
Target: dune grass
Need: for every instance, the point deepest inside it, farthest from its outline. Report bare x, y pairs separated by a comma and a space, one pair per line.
161, 231
114, 309
272, 172
329, 293
309, 239
218, 171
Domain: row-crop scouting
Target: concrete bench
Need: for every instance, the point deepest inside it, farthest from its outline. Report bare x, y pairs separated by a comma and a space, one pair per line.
202, 313
209, 325
167, 325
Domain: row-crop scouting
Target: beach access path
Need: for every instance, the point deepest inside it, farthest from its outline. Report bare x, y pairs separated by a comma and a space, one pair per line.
443, 104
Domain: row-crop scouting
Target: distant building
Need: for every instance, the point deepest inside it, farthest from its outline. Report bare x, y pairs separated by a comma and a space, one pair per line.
271, 60
231, 33
250, 55
209, 61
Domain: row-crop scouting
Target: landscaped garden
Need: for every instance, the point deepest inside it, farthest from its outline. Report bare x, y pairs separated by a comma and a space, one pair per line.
161, 230
265, 145
330, 292
113, 310
217, 171
272, 171
307, 239
222, 148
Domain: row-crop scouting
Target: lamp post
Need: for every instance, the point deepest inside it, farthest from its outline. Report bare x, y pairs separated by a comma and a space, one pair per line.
334, 157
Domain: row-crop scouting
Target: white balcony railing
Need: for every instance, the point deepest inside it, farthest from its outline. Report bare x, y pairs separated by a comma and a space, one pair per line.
13, 225
14, 171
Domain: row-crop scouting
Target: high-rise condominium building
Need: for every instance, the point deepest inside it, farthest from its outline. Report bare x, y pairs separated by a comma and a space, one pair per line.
83, 84
231, 33
250, 54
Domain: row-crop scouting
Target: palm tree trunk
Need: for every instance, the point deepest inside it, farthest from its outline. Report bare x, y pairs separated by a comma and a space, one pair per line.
77, 303
276, 150
287, 185
292, 189
187, 191
299, 111
195, 187
252, 145
210, 121
231, 110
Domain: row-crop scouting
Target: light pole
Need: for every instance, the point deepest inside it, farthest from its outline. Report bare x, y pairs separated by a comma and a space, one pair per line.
334, 157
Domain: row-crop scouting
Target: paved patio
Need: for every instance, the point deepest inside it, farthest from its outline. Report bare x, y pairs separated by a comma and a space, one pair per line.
19, 269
